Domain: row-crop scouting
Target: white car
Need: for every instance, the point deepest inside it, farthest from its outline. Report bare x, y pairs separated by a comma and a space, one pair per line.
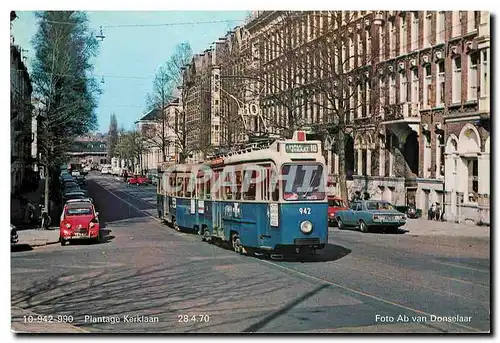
87, 168
105, 170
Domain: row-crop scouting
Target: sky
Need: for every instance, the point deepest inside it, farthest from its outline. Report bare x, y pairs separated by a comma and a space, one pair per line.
129, 56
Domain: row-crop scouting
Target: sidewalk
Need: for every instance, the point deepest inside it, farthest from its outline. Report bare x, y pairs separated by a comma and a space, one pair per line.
35, 238
16, 208
424, 227
33, 198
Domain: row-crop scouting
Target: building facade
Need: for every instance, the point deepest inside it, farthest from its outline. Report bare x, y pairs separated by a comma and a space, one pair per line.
21, 109
150, 126
200, 117
408, 89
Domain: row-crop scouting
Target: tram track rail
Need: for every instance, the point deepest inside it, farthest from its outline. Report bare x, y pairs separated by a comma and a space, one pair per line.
443, 327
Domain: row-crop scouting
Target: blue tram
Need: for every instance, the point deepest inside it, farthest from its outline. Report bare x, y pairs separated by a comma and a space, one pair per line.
262, 200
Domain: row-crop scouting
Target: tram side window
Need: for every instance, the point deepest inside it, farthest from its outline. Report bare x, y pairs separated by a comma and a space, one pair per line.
275, 186
239, 178
187, 189
217, 183
208, 186
200, 188
171, 184
179, 185
228, 191
251, 190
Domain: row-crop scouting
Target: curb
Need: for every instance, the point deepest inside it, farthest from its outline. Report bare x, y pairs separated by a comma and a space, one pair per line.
42, 245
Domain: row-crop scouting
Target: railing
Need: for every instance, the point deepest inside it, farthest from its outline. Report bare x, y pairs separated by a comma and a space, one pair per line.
401, 111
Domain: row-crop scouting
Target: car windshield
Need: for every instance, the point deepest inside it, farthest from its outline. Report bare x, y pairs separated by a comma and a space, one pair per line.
379, 205
303, 182
336, 203
78, 211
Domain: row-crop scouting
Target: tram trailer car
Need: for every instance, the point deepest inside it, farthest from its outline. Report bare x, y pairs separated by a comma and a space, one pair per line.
269, 221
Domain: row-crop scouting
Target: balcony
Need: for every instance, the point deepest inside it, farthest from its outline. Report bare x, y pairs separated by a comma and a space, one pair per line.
402, 113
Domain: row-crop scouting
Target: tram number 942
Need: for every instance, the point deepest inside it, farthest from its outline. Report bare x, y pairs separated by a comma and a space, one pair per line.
305, 210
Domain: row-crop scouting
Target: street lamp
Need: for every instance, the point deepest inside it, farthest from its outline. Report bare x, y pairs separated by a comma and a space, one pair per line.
100, 37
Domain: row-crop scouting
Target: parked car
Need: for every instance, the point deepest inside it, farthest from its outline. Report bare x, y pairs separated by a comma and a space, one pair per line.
80, 180
105, 170
87, 168
138, 180
335, 204
80, 196
367, 214
14, 238
83, 199
72, 185
79, 220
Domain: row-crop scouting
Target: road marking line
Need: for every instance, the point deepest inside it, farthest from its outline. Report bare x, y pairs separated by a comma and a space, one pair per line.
459, 266
464, 281
411, 283
365, 294
325, 280
143, 212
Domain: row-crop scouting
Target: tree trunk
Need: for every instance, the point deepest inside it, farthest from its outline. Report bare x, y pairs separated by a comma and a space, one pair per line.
342, 180
47, 188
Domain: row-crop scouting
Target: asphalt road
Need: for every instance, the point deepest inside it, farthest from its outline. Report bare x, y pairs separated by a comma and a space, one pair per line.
359, 283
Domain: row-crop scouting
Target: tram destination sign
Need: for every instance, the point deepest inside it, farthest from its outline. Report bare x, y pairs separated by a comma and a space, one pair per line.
301, 148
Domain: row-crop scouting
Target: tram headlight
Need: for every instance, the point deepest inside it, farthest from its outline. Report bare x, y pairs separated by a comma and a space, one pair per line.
306, 227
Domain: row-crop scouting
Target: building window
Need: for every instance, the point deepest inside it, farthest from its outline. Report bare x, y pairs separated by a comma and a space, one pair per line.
359, 53
216, 102
381, 43
368, 46
392, 39
359, 102
381, 85
402, 35
403, 88
351, 103
484, 74
455, 23
414, 86
427, 29
472, 77
427, 86
351, 54
414, 31
456, 80
392, 89
440, 84
471, 21
440, 155
427, 155
440, 27
368, 97
472, 169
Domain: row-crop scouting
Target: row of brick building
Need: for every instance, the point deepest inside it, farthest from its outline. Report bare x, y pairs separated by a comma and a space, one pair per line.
412, 87
23, 119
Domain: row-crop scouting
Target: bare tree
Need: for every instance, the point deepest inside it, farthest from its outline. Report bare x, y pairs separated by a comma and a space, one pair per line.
165, 89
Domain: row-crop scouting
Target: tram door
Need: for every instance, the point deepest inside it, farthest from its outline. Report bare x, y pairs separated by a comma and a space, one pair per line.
217, 206
269, 215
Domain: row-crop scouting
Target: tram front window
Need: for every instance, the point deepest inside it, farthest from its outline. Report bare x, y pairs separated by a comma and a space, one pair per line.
303, 182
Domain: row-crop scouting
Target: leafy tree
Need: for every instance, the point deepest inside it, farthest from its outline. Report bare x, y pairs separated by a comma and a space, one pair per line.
62, 81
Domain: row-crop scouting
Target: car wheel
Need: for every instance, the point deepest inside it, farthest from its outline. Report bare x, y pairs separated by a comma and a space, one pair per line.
340, 224
363, 227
